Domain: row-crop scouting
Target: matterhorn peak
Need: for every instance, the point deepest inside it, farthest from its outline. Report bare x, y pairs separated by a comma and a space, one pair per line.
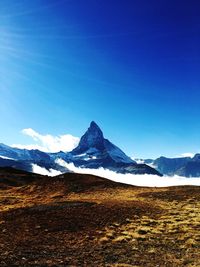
93, 138
95, 130
94, 125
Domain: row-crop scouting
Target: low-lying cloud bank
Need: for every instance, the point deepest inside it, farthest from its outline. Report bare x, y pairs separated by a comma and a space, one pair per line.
139, 180
43, 171
49, 143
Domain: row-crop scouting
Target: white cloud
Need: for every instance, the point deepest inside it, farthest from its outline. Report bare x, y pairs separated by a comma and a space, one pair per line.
43, 171
191, 155
138, 161
49, 143
139, 180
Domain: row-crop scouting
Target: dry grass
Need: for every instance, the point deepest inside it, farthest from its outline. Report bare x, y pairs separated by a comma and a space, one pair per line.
81, 221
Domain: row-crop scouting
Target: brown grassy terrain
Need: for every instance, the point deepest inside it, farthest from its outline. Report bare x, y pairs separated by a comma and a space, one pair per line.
83, 220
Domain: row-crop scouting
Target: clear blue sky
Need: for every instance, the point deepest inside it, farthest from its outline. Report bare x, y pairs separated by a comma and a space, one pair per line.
133, 66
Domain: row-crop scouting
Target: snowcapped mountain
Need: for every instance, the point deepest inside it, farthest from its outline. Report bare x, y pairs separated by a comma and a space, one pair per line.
93, 151
22, 154
93, 145
183, 166
24, 159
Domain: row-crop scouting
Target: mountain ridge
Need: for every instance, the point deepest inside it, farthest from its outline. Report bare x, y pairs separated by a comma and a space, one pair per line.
181, 166
93, 142
93, 151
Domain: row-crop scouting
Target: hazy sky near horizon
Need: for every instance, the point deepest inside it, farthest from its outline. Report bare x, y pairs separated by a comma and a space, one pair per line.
132, 66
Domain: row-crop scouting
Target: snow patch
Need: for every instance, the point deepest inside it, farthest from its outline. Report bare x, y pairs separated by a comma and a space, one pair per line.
3, 157
138, 161
80, 155
85, 156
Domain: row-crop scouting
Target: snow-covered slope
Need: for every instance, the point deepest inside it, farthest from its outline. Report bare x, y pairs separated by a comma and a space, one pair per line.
94, 145
184, 166
94, 151
22, 154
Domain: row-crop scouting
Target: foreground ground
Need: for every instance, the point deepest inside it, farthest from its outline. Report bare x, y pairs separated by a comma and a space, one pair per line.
83, 220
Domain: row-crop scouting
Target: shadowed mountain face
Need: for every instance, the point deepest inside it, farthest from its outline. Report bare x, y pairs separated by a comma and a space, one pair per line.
187, 167
93, 138
170, 165
93, 151
94, 145
12, 153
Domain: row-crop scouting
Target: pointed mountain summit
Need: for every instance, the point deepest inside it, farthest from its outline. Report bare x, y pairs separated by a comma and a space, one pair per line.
94, 145
94, 151
93, 138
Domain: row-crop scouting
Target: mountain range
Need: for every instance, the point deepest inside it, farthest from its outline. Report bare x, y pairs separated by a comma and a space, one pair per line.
185, 166
93, 151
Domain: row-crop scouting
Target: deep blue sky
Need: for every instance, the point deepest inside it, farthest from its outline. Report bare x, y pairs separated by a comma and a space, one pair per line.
133, 66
